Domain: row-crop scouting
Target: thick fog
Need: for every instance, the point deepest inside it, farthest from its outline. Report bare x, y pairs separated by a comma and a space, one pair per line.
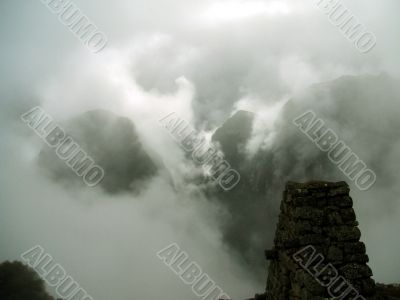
204, 60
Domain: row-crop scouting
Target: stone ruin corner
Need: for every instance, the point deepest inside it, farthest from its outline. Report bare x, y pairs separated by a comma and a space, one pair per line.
318, 215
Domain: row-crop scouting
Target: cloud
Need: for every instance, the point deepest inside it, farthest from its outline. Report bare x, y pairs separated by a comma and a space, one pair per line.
166, 56
349, 107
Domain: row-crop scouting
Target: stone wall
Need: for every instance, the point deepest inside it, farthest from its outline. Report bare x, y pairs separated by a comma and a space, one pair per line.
319, 216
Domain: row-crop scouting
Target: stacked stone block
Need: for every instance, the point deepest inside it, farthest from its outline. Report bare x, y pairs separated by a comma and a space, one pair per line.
321, 215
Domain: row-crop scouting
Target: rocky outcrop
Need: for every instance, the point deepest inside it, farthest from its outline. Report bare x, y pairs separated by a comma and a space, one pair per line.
20, 282
114, 144
233, 136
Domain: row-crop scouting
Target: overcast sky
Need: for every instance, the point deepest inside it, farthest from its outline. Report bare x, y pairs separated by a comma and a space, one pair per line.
204, 60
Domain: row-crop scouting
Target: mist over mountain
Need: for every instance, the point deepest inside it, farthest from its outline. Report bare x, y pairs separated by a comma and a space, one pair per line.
246, 216
348, 105
234, 134
238, 72
113, 143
